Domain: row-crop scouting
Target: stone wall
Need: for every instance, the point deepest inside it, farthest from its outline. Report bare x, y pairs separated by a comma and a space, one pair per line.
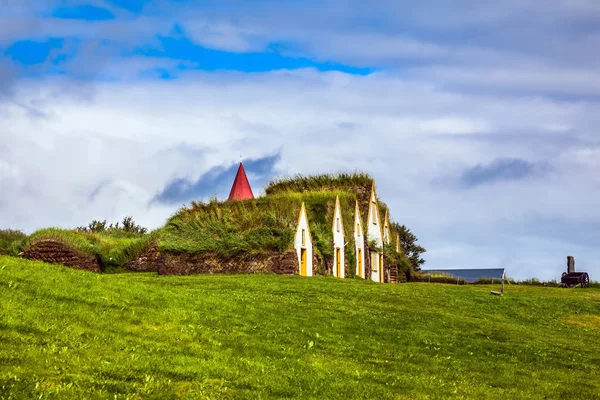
169, 263
148, 261
55, 252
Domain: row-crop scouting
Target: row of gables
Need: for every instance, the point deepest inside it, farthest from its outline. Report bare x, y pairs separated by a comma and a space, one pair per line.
369, 259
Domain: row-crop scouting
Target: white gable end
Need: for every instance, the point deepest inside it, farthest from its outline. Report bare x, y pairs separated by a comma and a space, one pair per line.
374, 223
338, 241
375, 234
303, 244
359, 240
386, 229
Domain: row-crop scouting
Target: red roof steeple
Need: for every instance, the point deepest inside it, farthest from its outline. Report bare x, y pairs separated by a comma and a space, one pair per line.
241, 189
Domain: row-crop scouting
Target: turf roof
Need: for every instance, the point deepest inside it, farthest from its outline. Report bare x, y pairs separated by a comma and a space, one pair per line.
253, 226
114, 248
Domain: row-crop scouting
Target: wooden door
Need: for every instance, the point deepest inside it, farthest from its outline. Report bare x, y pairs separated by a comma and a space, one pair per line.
381, 268
303, 262
338, 262
374, 270
360, 263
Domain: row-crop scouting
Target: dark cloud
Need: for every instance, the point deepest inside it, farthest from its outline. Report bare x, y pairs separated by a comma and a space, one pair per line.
501, 169
97, 190
217, 181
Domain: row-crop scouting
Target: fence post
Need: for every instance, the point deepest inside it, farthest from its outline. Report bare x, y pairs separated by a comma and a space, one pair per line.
457, 279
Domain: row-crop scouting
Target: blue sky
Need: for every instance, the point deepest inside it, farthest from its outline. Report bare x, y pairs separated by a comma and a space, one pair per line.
478, 119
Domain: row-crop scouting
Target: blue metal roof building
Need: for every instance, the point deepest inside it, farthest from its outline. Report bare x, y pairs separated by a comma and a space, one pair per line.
468, 275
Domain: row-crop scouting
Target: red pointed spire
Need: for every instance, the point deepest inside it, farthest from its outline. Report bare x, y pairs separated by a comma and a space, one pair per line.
241, 189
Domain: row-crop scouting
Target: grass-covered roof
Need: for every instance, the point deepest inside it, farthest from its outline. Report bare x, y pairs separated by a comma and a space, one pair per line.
269, 223
257, 225
115, 248
233, 228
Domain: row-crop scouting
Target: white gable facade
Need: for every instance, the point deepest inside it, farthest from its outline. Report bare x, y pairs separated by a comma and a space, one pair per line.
303, 244
386, 229
375, 234
359, 241
338, 241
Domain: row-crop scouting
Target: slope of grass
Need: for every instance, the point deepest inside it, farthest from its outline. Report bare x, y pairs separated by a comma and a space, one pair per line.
70, 334
114, 248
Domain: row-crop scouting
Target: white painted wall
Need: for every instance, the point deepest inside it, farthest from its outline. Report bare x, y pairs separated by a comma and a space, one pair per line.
374, 233
298, 245
338, 239
386, 229
360, 242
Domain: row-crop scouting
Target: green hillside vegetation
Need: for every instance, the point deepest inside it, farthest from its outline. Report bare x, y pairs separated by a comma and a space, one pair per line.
11, 241
303, 183
264, 224
358, 183
69, 334
229, 229
115, 248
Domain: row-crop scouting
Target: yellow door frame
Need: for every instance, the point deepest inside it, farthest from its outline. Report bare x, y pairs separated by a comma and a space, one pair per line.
360, 267
303, 262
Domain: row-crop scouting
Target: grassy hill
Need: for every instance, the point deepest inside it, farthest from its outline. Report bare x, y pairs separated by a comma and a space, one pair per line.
254, 228
65, 333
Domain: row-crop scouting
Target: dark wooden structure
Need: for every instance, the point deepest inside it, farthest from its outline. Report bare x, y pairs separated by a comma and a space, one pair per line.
571, 278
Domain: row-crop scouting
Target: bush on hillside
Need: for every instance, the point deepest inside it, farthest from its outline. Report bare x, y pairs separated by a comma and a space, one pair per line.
11, 241
127, 227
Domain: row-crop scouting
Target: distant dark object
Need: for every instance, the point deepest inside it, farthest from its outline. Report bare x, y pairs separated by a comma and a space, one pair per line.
571, 278
570, 264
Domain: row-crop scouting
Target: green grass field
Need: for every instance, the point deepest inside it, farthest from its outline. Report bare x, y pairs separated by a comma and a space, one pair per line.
71, 334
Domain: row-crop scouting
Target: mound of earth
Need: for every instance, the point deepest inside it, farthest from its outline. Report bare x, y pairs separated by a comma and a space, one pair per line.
55, 252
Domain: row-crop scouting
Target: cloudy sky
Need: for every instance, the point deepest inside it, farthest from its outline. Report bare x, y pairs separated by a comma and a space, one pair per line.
479, 119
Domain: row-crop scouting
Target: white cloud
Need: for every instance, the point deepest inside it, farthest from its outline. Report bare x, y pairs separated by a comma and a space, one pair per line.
107, 156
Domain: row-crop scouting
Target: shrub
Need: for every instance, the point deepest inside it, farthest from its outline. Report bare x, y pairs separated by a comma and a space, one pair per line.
127, 227
11, 241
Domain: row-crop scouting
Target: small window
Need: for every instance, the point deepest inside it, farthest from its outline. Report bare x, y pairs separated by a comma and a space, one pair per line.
357, 229
337, 224
303, 237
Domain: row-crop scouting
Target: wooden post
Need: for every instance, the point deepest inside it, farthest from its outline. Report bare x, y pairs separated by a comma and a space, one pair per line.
501, 292
429, 274
492, 280
457, 279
